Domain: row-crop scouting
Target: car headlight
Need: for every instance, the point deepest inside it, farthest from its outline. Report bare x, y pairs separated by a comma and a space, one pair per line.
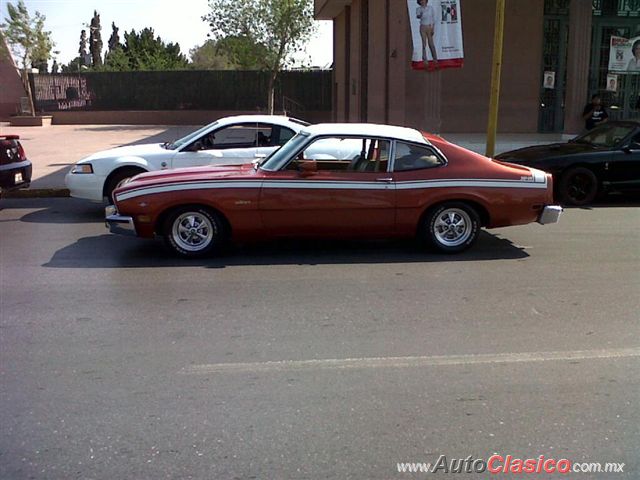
82, 168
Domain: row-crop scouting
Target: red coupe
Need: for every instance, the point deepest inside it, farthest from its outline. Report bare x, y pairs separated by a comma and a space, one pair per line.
337, 180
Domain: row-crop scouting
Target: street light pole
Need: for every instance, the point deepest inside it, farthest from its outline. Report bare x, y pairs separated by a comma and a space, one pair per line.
495, 79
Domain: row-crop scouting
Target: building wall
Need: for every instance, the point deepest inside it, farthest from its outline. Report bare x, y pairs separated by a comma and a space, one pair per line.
11, 88
453, 100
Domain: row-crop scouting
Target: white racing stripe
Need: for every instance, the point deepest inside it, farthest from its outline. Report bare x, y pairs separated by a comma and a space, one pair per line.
408, 362
535, 182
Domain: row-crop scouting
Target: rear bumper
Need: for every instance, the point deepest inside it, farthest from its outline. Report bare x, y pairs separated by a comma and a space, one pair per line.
15, 175
119, 224
550, 214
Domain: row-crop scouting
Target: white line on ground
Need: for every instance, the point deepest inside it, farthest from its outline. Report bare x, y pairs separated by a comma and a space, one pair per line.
406, 362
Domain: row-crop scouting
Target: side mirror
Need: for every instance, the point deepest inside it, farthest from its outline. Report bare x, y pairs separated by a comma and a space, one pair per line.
307, 168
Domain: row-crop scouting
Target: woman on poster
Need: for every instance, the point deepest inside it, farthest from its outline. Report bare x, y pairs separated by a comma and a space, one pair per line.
427, 18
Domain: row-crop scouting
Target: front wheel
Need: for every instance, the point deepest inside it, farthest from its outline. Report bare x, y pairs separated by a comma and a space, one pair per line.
193, 231
578, 186
452, 227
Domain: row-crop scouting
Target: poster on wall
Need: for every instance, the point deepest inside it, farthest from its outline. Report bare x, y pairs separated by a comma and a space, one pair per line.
549, 80
436, 31
612, 83
624, 55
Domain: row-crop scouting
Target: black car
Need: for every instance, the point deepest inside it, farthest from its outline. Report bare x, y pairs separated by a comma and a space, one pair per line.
15, 169
605, 159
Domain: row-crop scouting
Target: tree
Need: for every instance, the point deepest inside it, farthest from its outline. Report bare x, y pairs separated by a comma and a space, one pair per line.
209, 57
95, 40
28, 40
144, 51
270, 31
82, 50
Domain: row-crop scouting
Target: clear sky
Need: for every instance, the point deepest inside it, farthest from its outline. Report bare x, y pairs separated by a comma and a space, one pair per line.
173, 21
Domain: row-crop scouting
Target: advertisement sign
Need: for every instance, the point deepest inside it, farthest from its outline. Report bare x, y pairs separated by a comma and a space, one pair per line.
436, 31
612, 83
624, 55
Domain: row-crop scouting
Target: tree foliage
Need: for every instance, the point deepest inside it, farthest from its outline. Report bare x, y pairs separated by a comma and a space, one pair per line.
266, 33
145, 51
218, 55
28, 40
26, 35
95, 40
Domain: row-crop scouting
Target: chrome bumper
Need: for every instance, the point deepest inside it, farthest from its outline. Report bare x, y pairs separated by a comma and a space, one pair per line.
550, 214
117, 223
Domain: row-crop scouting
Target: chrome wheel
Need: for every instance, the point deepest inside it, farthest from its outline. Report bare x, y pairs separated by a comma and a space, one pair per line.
193, 231
452, 227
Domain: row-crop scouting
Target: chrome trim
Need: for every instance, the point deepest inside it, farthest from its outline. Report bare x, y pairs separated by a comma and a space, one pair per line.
550, 214
119, 224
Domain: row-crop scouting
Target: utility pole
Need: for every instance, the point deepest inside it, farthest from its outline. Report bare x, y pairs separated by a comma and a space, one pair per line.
495, 79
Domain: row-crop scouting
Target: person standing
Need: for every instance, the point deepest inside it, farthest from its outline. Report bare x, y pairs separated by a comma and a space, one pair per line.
427, 18
594, 113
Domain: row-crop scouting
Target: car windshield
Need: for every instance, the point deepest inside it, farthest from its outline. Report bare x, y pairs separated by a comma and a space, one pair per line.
189, 138
607, 135
274, 161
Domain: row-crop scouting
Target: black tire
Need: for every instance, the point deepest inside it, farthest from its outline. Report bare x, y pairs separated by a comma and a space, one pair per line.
194, 231
578, 186
451, 227
117, 177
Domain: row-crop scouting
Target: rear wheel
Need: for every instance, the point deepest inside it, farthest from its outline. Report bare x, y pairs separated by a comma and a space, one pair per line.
578, 186
193, 231
452, 227
117, 178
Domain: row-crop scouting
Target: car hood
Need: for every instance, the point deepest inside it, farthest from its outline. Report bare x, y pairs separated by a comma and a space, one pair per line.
209, 172
128, 151
541, 152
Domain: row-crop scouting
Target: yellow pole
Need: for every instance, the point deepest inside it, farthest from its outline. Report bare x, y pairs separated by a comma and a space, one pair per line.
495, 79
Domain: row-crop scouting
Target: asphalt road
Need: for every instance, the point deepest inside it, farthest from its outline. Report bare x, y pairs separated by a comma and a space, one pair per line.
314, 360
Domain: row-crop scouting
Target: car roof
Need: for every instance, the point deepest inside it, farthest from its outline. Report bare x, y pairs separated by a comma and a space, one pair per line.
368, 130
275, 119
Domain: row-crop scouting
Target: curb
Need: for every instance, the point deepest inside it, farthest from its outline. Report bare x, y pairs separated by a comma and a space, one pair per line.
37, 193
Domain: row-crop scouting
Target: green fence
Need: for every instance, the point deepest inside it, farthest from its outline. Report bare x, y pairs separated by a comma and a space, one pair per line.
180, 90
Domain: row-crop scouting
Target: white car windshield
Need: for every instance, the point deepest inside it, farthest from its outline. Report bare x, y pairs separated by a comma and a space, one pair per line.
189, 138
278, 158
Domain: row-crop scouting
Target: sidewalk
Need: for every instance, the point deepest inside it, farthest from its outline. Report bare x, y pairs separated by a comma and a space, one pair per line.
53, 150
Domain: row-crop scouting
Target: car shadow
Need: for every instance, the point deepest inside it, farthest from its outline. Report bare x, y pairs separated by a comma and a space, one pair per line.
56, 210
170, 134
129, 252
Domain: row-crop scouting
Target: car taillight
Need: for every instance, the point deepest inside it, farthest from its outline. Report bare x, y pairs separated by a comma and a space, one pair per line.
21, 153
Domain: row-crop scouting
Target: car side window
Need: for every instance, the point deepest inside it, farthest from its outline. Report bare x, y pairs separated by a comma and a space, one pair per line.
634, 144
346, 154
286, 134
415, 157
234, 136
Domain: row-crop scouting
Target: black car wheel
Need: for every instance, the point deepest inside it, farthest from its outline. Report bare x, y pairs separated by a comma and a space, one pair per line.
578, 186
193, 231
451, 227
117, 178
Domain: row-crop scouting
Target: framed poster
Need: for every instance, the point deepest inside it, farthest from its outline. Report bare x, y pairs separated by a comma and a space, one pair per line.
436, 33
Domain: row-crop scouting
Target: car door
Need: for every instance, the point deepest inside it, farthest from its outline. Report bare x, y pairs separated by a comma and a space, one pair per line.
337, 186
412, 164
230, 144
623, 172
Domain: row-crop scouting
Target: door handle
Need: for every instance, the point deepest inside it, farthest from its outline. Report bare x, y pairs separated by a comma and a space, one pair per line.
385, 179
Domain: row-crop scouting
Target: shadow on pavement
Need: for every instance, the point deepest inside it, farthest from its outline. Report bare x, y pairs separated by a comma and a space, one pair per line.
112, 251
56, 210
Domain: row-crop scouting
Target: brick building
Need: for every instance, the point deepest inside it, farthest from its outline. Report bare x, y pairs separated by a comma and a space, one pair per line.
374, 81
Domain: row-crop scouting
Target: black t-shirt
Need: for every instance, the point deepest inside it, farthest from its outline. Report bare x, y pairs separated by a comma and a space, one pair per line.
598, 113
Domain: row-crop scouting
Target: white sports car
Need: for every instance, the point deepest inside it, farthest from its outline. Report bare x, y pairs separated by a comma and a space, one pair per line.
229, 140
